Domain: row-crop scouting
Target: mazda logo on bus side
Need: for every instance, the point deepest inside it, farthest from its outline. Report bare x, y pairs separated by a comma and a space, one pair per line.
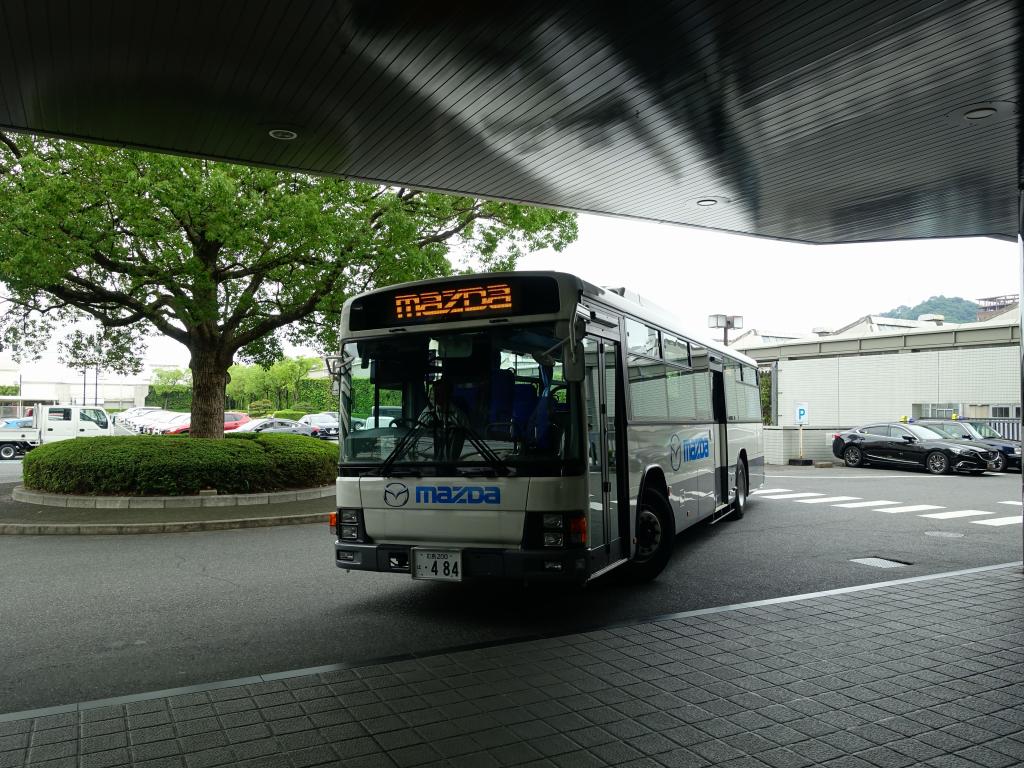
396, 494
675, 452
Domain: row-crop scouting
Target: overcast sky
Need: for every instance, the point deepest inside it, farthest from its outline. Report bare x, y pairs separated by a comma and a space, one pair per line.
777, 287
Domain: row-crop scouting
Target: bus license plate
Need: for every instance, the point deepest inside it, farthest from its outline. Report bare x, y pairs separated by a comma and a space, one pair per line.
440, 565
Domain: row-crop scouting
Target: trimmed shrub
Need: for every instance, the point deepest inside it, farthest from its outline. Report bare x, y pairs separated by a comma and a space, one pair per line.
290, 413
173, 466
260, 407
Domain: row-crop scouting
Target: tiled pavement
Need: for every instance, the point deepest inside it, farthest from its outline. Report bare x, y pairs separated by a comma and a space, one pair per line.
925, 672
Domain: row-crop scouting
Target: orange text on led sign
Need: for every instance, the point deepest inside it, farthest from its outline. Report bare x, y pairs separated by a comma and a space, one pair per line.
454, 301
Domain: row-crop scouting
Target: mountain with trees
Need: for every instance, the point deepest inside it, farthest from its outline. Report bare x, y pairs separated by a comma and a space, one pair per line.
953, 308
228, 260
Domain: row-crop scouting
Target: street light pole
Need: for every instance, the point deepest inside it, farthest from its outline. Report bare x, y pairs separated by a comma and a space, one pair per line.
725, 322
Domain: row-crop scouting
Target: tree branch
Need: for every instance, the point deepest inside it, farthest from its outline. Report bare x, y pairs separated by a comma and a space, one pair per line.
10, 145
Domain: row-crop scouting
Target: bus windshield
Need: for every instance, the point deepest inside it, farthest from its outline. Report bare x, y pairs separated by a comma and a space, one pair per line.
491, 402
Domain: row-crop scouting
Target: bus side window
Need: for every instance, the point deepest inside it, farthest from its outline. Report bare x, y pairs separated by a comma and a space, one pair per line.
648, 392
642, 339
675, 350
733, 391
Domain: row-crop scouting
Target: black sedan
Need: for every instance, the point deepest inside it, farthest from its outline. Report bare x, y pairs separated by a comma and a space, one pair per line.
1008, 451
911, 445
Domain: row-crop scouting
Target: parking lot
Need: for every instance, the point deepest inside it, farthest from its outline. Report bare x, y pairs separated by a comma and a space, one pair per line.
155, 612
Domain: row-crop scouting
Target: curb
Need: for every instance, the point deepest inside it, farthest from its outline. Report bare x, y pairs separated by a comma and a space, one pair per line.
22, 494
107, 529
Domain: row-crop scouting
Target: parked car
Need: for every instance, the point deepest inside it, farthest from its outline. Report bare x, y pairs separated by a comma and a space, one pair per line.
231, 421
1008, 456
385, 416
326, 423
137, 422
159, 422
234, 420
277, 425
122, 418
911, 445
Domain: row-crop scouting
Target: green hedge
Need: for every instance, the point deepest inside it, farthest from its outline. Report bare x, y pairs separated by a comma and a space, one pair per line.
289, 413
178, 398
174, 466
317, 393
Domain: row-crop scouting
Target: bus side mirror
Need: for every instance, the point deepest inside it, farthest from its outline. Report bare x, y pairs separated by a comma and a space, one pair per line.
573, 365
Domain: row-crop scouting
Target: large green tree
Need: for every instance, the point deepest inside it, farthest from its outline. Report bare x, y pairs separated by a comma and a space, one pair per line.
228, 260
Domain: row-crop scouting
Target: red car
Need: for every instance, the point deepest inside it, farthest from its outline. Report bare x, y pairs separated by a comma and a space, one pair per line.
231, 421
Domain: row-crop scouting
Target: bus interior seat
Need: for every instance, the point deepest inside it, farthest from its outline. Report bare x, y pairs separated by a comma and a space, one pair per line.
524, 402
502, 386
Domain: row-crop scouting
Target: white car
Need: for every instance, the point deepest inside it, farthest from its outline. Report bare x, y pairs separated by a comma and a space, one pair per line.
168, 420
122, 418
139, 423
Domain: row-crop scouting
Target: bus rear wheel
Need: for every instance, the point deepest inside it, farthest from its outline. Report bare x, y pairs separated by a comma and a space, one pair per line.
739, 504
655, 535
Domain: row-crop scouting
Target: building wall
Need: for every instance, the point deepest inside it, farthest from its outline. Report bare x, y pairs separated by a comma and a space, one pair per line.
847, 391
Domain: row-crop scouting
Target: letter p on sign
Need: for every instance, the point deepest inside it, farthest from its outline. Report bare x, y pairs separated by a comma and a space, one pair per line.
801, 414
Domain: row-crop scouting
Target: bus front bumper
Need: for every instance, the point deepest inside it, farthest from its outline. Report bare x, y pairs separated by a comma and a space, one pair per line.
512, 564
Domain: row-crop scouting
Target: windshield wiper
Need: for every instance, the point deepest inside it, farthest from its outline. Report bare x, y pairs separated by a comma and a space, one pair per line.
499, 467
404, 443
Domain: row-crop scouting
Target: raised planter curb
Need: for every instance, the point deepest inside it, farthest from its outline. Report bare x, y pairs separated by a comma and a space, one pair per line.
108, 529
22, 494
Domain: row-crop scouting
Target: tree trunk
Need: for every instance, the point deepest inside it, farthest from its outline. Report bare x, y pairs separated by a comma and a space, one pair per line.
209, 380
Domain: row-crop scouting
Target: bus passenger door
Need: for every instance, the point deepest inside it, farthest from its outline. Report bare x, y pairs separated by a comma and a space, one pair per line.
603, 460
721, 452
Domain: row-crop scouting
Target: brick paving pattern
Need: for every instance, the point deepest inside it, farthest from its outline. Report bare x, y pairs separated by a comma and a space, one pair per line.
927, 673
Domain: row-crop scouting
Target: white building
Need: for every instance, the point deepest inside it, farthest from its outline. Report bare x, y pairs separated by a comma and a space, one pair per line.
880, 369
48, 383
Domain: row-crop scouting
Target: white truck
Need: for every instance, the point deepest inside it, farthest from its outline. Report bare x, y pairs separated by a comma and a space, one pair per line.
51, 423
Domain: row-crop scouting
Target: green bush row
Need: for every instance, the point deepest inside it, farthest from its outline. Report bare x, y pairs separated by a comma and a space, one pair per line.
289, 413
171, 466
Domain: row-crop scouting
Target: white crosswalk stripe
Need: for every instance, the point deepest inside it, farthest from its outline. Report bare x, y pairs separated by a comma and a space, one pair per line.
763, 491
826, 500
958, 513
913, 508
793, 496
1013, 503
859, 504
1000, 521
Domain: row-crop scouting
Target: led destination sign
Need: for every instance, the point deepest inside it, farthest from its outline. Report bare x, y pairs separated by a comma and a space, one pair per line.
481, 299
454, 301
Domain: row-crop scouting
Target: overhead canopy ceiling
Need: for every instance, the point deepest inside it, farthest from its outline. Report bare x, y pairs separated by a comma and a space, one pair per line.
816, 121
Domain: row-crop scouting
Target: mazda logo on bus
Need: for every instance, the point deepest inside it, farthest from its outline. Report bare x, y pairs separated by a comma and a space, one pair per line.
675, 452
396, 494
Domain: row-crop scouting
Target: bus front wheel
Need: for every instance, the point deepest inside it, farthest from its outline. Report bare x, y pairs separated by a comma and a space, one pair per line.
655, 534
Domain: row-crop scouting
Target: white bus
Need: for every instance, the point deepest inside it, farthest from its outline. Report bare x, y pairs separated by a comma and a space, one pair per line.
549, 429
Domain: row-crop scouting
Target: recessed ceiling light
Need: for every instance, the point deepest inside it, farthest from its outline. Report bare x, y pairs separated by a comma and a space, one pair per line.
282, 134
707, 201
982, 114
979, 113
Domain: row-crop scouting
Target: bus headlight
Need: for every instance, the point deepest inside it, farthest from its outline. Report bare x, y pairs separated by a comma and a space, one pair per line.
349, 521
349, 516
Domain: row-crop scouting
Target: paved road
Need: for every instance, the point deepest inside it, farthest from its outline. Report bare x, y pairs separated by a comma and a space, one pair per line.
89, 617
10, 471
